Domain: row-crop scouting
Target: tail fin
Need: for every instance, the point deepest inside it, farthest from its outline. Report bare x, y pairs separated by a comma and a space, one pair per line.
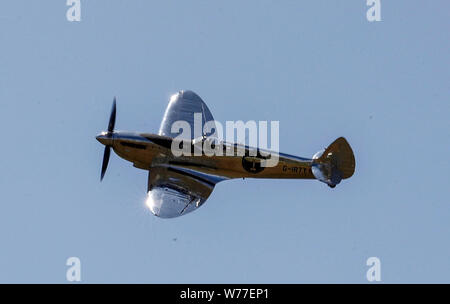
337, 162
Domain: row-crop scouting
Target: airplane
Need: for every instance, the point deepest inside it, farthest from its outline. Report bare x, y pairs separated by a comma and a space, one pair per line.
178, 185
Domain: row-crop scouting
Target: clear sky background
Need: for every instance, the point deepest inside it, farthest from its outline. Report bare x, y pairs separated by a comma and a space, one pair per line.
319, 67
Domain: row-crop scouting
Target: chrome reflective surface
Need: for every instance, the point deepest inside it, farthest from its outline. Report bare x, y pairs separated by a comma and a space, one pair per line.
179, 185
318, 169
175, 191
318, 154
104, 139
335, 163
182, 106
322, 172
169, 203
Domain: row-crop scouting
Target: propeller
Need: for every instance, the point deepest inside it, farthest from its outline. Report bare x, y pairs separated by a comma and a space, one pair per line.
108, 135
105, 161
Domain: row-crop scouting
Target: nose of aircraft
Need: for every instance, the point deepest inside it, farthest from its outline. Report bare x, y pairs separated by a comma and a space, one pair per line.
105, 139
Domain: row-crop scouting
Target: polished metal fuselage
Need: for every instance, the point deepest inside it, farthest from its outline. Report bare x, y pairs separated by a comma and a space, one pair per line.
146, 150
180, 184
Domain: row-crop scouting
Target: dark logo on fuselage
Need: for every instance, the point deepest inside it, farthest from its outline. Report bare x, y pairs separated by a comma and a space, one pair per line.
252, 164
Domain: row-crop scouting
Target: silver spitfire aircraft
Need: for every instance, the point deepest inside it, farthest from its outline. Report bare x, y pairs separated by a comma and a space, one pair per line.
180, 184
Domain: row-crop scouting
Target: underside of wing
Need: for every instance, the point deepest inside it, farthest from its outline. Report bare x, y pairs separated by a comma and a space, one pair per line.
174, 191
182, 107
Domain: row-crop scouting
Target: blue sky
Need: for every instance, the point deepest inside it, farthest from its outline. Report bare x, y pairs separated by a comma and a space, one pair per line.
319, 67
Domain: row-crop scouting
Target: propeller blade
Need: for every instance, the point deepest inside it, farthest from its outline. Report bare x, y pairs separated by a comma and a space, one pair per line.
105, 161
112, 117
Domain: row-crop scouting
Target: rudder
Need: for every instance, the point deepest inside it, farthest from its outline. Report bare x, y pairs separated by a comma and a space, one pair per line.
337, 162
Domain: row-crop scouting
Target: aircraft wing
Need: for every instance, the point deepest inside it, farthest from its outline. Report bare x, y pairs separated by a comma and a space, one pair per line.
174, 191
182, 106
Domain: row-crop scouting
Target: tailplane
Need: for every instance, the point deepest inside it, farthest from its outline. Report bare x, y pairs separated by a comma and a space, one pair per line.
335, 163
